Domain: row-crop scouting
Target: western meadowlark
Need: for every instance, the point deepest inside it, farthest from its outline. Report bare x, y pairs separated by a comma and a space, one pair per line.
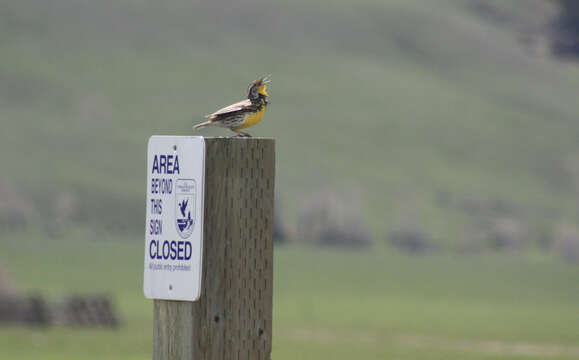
243, 114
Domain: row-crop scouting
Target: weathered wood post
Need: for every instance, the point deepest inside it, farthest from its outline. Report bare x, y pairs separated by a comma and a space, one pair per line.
233, 317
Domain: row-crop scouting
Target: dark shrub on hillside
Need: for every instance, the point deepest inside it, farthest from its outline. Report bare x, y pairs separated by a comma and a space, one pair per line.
566, 242
279, 233
506, 234
349, 236
411, 241
566, 34
332, 218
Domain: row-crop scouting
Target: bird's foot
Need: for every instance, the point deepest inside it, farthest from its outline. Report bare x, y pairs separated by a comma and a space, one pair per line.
240, 134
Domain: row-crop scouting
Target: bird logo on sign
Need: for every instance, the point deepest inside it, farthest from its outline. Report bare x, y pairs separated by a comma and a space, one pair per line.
185, 223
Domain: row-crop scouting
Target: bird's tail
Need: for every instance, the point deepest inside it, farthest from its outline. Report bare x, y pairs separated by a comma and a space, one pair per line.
203, 124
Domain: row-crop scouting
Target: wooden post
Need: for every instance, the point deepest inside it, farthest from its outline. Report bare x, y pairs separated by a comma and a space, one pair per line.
233, 317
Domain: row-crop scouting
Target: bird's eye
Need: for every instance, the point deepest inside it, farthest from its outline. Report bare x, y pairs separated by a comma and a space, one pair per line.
253, 91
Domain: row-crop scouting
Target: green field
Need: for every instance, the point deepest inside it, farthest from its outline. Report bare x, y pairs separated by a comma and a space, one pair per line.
399, 101
327, 305
435, 114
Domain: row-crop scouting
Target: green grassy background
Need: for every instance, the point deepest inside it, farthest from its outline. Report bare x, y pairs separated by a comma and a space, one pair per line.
401, 101
327, 304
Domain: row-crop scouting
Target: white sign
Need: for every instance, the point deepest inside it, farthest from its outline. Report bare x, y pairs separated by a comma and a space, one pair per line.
174, 225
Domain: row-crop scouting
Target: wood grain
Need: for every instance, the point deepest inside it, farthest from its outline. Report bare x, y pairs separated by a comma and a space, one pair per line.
233, 318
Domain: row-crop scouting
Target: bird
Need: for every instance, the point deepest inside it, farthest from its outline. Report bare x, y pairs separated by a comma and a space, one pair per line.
183, 206
242, 114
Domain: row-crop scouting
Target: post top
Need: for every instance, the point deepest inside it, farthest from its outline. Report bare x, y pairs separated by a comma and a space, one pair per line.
238, 140
233, 138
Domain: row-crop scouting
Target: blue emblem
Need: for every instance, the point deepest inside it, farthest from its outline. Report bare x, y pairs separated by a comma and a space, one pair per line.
185, 206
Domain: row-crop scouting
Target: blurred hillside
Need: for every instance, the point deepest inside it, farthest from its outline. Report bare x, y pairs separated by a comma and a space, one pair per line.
440, 117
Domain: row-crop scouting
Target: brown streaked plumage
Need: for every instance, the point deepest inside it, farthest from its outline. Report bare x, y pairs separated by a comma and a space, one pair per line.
242, 114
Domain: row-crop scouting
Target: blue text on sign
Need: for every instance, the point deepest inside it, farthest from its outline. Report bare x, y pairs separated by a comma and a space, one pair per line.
166, 164
161, 186
174, 250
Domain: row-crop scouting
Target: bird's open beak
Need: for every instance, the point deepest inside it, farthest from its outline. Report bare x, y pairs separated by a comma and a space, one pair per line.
266, 79
262, 91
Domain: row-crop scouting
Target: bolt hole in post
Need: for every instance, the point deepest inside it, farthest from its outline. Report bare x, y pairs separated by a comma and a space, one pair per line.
216, 318
260, 332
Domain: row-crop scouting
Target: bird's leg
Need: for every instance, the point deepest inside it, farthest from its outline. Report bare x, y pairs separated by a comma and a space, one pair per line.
237, 133
240, 133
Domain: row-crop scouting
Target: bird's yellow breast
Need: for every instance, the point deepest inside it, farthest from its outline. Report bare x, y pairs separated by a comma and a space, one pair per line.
252, 119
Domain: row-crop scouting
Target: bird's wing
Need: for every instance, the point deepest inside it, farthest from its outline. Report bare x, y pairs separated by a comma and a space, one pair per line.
239, 106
